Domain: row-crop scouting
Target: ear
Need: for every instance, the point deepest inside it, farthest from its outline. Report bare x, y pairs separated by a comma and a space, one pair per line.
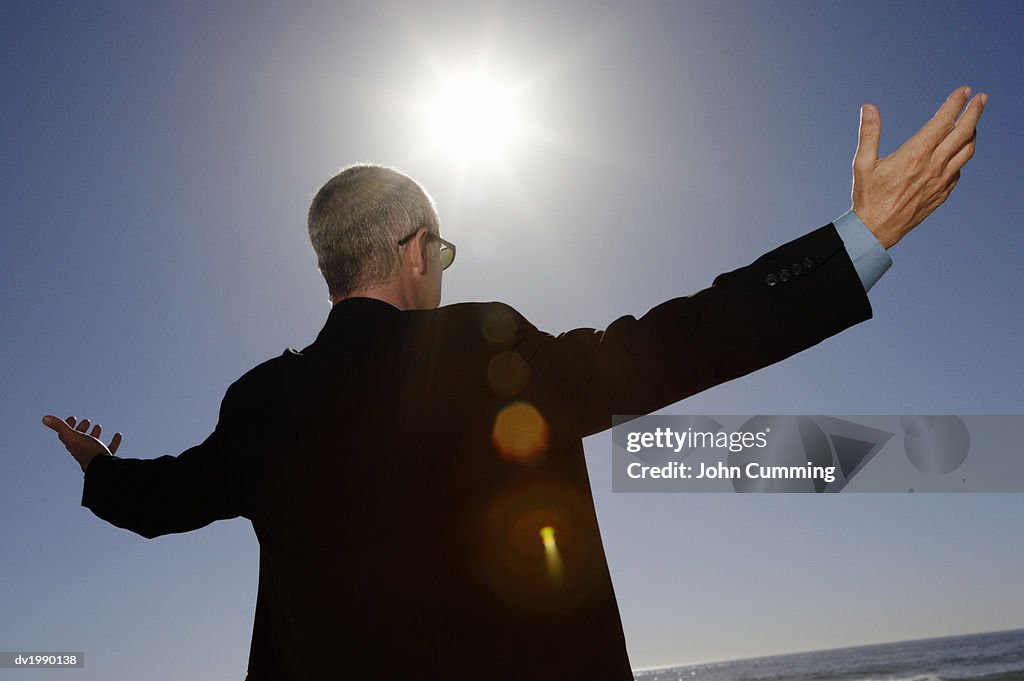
416, 251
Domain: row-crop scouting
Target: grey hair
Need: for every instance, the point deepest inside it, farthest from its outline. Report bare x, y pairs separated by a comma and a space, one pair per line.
356, 220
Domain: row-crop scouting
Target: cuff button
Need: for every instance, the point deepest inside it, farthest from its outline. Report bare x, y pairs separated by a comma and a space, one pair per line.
771, 280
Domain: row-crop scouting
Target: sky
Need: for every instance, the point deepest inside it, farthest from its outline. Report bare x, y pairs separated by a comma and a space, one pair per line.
158, 162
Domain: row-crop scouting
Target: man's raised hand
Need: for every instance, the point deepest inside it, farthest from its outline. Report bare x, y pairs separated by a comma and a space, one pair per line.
82, 445
892, 195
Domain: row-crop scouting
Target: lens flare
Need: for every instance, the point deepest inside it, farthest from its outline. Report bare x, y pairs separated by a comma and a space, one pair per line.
520, 433
508, 373
554, 560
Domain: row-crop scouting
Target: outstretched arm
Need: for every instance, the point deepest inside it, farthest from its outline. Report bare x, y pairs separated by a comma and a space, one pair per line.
786, 301
168, 494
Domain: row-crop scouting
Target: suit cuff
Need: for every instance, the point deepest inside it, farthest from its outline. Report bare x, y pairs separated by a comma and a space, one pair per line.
869, 258
92, 488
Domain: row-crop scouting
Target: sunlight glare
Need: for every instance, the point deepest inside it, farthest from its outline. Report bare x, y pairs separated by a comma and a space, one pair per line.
473, 116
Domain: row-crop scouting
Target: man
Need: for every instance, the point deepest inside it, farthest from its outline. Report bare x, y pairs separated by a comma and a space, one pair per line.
415, 476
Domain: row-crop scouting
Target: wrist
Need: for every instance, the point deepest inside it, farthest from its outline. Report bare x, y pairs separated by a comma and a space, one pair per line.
886, 237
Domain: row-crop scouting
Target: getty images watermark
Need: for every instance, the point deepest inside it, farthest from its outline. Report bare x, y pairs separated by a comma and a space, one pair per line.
818, 454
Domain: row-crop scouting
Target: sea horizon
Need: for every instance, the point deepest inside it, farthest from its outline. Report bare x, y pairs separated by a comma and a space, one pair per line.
989, 655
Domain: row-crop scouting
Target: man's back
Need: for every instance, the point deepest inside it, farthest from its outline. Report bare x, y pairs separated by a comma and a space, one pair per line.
395, 537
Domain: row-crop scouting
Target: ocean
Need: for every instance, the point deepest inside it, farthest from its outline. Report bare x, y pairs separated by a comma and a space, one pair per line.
997, 656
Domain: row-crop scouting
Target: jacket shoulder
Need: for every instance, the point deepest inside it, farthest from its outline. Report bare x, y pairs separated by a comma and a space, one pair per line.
261, 378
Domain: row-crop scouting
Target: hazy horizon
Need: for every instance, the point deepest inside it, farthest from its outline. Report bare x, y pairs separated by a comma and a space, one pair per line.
818, 650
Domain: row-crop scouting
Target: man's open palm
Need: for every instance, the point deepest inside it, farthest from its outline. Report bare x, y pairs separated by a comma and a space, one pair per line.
892, 195
82, 444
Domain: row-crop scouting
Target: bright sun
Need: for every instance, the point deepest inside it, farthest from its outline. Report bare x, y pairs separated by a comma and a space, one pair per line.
473, 116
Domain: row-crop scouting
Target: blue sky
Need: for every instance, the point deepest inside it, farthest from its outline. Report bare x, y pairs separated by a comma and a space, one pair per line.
158, 164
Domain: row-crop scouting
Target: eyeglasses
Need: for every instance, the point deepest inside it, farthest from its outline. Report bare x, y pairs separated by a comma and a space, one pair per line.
447, 251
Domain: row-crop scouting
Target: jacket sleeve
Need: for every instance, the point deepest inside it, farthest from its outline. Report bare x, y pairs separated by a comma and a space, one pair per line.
785, 301
152, 497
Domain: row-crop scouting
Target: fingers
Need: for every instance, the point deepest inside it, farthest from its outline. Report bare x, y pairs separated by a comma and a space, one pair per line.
867, 141
962, 156
964, 132
928, 137
70, 425
55, 424
952, 181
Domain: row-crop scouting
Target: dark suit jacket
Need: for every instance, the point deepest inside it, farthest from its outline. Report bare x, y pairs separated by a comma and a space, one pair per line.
398, 471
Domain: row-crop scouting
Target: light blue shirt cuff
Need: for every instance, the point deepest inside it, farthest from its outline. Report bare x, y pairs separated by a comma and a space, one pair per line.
869, 258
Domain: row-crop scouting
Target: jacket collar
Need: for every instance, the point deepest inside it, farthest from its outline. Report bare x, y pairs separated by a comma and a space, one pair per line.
354, 308
360, 307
